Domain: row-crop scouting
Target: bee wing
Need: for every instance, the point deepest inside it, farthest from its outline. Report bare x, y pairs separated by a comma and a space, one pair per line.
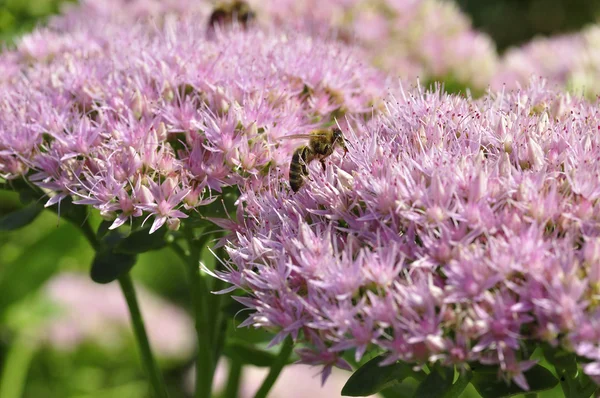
297, 136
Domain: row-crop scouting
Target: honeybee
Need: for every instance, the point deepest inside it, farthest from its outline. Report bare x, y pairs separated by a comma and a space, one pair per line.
321, 144
227, 12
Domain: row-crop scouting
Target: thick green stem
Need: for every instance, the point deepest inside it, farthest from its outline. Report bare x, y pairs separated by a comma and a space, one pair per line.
216, 315
148, 361
200, 296
16, 366
137, 321
233, 380
276, 368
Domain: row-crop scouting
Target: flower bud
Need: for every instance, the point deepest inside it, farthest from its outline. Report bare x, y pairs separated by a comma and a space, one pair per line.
173, 224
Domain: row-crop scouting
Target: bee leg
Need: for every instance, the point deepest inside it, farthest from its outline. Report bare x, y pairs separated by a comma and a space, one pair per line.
322, 164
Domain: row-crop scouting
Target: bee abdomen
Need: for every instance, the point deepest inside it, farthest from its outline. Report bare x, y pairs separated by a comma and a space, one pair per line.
298, 169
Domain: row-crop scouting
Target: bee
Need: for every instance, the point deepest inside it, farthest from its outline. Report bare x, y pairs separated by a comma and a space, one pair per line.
226, 13
321, 144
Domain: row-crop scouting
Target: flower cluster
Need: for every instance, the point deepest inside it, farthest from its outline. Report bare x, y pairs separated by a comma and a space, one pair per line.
427, 39
569, 61
454, 231
430, 39
144, 120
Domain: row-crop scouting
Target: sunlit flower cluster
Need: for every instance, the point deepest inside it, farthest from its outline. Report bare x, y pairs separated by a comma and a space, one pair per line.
569, 61
137, 121
454, 230
429, 39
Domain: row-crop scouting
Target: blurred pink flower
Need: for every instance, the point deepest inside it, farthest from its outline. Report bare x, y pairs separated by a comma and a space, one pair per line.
88, 311
295, 381
569, 61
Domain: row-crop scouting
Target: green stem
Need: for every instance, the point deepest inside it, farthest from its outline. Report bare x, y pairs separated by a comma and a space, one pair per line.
233, 380
148, 361
137, 321
200, 295
276, 368
16, 366
216, 315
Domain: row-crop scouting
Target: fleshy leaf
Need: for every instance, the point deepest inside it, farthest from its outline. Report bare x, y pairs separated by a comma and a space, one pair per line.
103, 229
573, 381
436, 384
488, 385
77, 214
565, 363
248, 355
142, 241
21, 217
108, 265
371, 378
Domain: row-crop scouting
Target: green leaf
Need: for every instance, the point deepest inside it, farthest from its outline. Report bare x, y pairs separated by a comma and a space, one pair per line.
566, 368
248, 355
77, 214
28, 192
108, 265
103, 228
142, 241
39, 258
488, 385
564, 363
371, 378
224, 206
436, 384
20, 217
460, 385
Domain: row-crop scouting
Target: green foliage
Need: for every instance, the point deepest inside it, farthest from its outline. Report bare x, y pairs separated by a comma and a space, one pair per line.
372, 377
440, 383
21, 217
245, 354
109, 265
142, 241
511, 22
33, 254
485, 379
573, 382
19, 16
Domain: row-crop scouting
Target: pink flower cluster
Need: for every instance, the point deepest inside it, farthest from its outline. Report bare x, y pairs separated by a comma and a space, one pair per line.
430, 39
149, 121
569, 61
454, 231
426, 39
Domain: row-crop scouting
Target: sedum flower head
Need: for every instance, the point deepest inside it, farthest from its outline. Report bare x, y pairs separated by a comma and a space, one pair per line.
149, 121
576, 69
430, 39
453, 231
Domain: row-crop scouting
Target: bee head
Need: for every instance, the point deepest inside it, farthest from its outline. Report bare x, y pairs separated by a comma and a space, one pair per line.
227, 12
338, 138
243, 12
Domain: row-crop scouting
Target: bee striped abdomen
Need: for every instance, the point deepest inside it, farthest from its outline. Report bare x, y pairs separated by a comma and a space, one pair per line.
298, 169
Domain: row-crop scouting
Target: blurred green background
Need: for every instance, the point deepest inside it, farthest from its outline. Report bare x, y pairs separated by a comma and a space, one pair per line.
31, 256
18, 16
513, 22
